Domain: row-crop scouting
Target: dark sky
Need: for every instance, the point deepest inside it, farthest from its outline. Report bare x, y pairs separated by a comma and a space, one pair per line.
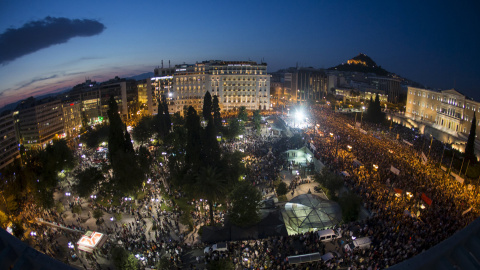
51, 45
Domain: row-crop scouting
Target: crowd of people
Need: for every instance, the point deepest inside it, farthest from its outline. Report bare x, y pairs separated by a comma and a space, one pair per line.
402, 223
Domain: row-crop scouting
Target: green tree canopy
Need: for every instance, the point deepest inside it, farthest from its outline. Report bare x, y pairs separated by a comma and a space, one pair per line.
221, 264
217, 117
350, 204
96, 136
210, 185
207, 106
116, 140
242, 114
470, 147
168, 120
282, 188
144, 129
256, 121
123, 260
88, 180
245, 202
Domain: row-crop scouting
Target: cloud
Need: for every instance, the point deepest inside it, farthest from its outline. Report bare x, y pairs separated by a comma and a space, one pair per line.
37, 35
35, 80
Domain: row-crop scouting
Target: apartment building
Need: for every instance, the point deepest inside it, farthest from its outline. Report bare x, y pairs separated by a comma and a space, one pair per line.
8, 140
39, 121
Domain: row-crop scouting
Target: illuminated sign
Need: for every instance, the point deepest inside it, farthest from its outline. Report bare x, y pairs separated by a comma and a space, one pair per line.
161, 78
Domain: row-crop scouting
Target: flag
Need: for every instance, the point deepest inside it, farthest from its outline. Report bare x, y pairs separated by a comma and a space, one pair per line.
426, 199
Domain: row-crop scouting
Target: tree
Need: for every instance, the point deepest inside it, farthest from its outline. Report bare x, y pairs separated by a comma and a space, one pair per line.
144, 159
160, 121
330, 181
165, 264
193, 147
470, 147
350, 204
374, 110
233, 129
123, 260
97, 214
210, 147
143, 130
217, 117
128, 143
282, 189
168, 121
242, 114
127, 174
96, 136
207, 106
210, 185
116, 141
245, 202
88, 180
221, 264
256, 121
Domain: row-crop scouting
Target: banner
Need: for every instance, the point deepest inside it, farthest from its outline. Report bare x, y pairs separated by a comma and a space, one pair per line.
394, 170
466, 211
358, 124
313, 147
424, 158
350, 126
363, 131
426, 199
407, 142
457, 177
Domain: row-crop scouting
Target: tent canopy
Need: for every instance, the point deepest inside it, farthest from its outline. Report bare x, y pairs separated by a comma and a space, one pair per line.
309, 212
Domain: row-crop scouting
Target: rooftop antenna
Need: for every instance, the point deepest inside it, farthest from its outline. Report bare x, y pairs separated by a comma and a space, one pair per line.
162, 63
168, 63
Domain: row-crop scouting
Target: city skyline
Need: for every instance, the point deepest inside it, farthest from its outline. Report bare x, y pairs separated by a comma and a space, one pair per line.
432, 44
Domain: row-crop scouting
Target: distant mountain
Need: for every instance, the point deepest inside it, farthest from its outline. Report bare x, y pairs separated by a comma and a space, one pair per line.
361, 63
9, 107
142, 76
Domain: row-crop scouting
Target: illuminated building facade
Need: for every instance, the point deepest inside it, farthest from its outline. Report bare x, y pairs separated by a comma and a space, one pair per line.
39, 121
72, 118
8, 140
236, 84
310, 84
161, 85
448, 111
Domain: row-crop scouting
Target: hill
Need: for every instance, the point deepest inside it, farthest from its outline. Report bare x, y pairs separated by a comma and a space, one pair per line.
361, 63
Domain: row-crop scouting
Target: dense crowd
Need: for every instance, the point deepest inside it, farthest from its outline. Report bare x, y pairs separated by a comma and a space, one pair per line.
401, 224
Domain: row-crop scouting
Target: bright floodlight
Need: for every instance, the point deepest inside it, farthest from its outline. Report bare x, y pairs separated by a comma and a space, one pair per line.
299, 115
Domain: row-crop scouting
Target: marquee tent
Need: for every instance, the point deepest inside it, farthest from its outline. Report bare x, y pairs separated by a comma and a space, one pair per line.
309, 212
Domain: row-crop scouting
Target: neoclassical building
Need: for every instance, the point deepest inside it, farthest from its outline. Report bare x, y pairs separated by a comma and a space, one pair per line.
448, 111
236, 83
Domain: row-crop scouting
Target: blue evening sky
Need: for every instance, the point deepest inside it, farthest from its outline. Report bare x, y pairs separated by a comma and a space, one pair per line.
436, 43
